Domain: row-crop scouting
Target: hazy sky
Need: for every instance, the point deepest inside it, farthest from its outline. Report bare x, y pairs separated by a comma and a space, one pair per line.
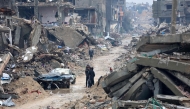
140, 1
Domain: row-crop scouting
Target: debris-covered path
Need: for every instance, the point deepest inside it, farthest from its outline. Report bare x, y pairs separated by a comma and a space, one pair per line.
57, 98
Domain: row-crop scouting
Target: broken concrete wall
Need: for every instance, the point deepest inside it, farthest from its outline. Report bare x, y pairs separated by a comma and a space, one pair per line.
47, 14
82, 3
67, 35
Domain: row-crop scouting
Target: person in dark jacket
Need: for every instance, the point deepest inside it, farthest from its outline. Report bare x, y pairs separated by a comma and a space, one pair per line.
87, 70
91, 76
91, 53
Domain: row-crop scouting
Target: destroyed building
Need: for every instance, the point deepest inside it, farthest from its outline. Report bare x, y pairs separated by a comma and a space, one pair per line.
47, 12
93, 15
162, 10
157, 73
58, 12
114, 14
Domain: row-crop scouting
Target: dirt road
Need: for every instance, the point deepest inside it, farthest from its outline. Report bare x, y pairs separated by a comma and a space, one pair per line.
57, 98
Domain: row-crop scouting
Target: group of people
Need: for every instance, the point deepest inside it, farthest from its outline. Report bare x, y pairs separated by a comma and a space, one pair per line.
90, 74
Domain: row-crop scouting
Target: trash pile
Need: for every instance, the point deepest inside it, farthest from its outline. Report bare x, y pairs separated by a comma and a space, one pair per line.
157, 77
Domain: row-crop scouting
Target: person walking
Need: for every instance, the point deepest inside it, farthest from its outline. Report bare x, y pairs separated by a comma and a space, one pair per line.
87, 70
91, 53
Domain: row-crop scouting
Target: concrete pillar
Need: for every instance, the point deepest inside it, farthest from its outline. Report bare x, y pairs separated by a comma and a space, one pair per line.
17, 36
59, 15
36, 9
174, 15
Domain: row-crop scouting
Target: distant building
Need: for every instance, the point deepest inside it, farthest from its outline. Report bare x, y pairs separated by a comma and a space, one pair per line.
114, 14
162, 11
46, 11
93, 14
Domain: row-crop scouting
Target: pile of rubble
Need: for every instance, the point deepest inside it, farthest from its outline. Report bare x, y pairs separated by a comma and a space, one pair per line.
158, 77
25, 89
164, 29
28, 49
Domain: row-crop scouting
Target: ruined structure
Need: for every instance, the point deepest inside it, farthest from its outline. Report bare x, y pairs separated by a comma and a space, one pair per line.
46, 11
162, 11
93, 15
114, 14
160, 71
58, 12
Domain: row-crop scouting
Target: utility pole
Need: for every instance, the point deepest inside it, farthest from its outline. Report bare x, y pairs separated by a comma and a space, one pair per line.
174, 15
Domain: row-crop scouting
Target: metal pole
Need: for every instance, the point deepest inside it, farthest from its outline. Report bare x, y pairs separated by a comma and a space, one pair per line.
174, 15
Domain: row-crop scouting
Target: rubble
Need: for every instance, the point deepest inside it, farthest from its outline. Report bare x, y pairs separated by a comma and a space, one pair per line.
159, 73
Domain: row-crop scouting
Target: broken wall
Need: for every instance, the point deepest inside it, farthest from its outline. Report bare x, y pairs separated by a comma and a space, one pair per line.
82, 3
48, 14
69, 36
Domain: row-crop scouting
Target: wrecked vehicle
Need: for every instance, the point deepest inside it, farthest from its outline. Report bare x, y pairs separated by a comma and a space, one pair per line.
57, 78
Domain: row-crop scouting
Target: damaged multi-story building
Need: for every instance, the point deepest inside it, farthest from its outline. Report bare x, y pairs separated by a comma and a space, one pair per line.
114, 14
6, 22
93, 14
162, 11
58, 12
48, 12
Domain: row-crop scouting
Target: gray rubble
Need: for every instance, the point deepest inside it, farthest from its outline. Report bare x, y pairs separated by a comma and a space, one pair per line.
159, 72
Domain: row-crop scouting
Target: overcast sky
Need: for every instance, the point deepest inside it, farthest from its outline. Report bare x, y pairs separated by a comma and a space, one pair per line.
140, 1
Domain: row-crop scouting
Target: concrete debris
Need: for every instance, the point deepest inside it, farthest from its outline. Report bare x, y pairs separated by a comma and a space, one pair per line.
159, 69
29, 49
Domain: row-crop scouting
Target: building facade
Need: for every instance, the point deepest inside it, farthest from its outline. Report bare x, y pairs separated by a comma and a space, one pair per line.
114, 14
46, 11
93, 14
162, 11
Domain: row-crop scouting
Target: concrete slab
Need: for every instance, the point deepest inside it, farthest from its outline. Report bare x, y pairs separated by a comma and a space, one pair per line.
125, 88
127, 104
164, 64
181, 77
37, 34
117, 77
167, 81
173, 38
127, 96
132, 67
162, 49
119, 86
106, 89
170, 98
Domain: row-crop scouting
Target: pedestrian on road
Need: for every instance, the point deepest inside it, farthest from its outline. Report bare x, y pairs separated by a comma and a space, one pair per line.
92, 75
91, 53
87, 70
111, 70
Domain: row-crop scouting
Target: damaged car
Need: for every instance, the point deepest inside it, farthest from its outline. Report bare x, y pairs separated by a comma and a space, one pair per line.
56, 78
